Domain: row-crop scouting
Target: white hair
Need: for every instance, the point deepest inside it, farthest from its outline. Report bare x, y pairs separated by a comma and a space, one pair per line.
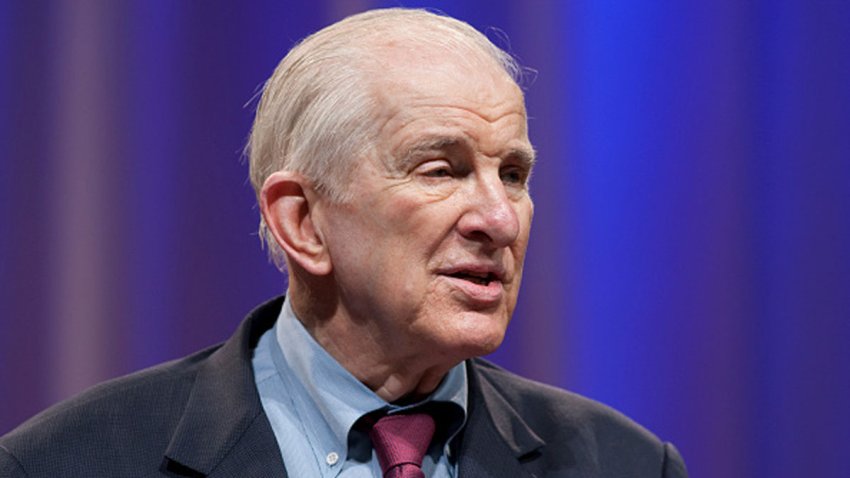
316, 114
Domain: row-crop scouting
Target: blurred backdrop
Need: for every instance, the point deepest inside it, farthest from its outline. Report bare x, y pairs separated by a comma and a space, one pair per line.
689, 262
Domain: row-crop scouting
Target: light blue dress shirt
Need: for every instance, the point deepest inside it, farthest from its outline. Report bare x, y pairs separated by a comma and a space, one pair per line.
313, 403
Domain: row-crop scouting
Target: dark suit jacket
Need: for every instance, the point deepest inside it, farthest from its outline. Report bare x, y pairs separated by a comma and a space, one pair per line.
201, 416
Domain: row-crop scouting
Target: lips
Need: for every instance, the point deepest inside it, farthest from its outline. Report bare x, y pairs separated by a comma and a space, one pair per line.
478, 284
475, 277
479, 273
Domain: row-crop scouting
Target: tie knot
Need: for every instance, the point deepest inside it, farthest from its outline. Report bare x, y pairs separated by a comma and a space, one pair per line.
402, 439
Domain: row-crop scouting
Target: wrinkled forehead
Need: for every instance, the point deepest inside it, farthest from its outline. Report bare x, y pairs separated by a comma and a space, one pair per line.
429, 95
464, 74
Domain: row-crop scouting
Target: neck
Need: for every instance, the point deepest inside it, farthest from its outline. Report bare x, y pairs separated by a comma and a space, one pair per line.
394, 373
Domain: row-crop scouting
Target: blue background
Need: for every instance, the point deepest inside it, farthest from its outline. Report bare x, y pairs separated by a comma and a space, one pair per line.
689, 262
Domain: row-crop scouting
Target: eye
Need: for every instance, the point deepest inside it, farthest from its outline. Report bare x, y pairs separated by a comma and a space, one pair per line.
442, 172
436, 169
514, 175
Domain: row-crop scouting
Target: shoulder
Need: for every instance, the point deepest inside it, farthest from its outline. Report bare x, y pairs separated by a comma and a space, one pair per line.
533, 399
127, 426
130, 418
565, 420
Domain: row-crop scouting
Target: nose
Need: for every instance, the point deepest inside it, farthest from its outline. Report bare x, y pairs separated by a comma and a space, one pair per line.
489, 215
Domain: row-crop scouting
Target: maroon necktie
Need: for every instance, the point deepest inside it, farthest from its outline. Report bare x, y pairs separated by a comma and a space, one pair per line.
400, 441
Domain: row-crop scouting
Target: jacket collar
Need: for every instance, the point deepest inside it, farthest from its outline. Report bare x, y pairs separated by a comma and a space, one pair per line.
497, 441
223, 430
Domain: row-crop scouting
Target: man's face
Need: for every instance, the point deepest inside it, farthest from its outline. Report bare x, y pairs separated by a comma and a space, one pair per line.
428, 254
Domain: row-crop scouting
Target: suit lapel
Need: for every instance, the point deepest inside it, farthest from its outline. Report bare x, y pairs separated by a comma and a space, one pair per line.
497, 442
223, 430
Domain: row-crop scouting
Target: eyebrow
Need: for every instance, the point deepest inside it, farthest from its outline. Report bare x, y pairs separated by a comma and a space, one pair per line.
434, 143
526, 156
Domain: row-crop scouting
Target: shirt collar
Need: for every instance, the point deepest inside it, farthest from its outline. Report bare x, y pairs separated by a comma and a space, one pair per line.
336, 393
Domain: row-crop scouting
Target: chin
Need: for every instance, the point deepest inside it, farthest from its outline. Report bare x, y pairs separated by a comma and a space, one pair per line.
477, 335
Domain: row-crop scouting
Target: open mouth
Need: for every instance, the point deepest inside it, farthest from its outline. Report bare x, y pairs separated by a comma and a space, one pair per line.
475, 278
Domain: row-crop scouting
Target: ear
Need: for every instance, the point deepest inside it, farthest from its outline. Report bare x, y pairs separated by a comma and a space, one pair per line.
287, 200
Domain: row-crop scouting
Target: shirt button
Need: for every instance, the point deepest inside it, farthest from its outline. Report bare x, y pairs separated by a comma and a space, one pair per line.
332, 458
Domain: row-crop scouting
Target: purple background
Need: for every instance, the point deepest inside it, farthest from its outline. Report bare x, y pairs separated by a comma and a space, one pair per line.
689, 261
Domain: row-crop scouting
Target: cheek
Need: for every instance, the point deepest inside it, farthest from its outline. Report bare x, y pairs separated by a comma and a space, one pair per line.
416, 227
395, 242
525, 213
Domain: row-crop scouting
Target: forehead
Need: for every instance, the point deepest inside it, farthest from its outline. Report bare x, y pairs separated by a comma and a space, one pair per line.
465, 74
429, 91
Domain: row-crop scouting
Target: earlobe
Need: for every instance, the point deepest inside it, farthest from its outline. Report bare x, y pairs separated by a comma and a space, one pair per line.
287, 203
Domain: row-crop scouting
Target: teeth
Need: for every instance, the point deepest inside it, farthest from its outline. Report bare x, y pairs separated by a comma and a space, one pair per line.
482, 278
476, 278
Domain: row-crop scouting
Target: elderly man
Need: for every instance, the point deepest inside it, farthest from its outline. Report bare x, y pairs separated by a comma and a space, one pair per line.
391, 158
